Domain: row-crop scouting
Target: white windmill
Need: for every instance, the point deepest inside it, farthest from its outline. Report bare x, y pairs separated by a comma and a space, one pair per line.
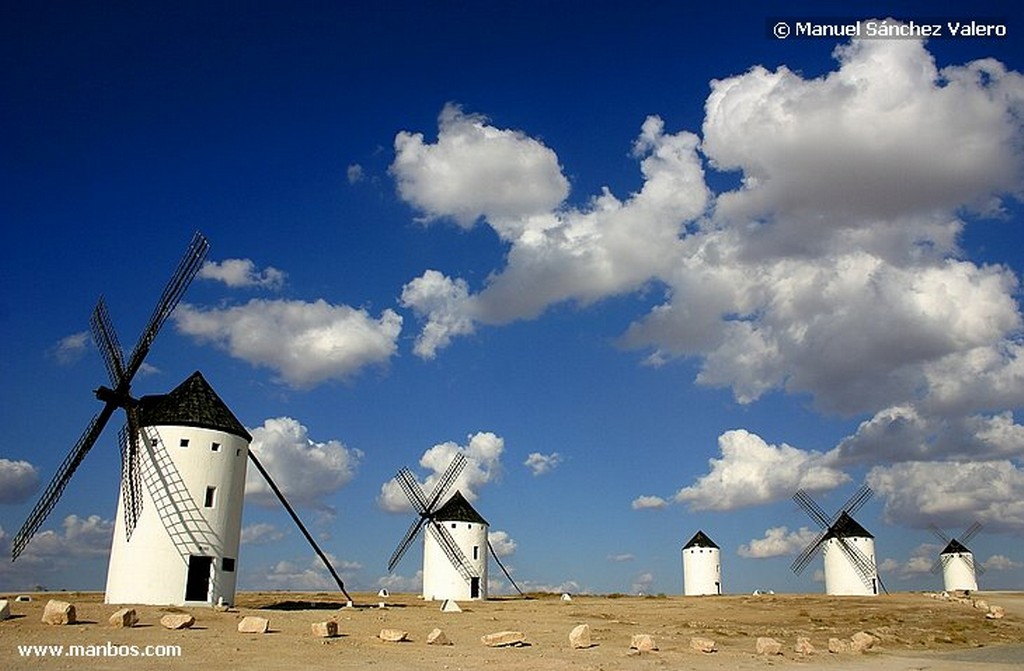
847, 548
956, 561
702, 566
456, 547
183, 463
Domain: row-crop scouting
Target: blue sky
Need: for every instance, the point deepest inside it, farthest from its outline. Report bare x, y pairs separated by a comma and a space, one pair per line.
650, 268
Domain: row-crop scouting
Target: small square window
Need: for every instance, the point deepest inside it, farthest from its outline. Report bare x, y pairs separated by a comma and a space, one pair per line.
184, 442
227, 564
215, 447
454, 525
211, 493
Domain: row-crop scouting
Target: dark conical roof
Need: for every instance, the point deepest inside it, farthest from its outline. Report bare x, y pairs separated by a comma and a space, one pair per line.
458, 509
700, 540
846, 527
191, 403
955, 547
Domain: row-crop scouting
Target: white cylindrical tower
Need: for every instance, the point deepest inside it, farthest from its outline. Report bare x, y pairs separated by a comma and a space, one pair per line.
702, 566
192, 459
958, 568
443, 578
850, 567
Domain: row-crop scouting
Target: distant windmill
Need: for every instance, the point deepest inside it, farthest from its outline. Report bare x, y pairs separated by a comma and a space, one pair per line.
847, 548
455, 547
956, 561
182, 545
702, 566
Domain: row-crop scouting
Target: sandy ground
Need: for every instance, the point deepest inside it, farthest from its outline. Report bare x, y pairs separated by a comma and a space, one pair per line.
916, 633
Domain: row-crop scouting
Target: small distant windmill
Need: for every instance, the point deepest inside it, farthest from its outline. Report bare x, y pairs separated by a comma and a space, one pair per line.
702, 566
956, 561
455, 547
847, 548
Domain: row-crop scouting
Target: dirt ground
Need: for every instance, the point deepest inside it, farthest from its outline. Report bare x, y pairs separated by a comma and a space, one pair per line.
915, 632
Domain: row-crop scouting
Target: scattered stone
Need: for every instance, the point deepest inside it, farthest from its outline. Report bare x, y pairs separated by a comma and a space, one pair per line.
438, 637
252, 624
450, 606
177, 621
803, 646
862, 641
579, 637
58, 612
643, 643
328, 629
393, 635
995, 613
980, 604
5, 610
23, 598
126, 618
702, 644
838, 646
503, 638
768, 646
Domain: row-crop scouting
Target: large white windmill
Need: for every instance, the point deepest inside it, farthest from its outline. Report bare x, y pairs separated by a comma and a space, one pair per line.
848, 550
455, 545
183, 463
956, 561
702, 566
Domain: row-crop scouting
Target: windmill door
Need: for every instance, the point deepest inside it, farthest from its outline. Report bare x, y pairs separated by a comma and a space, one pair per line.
197, 582
474, 588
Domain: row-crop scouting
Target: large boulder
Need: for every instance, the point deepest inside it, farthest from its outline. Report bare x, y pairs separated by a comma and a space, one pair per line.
643, 643
702, 644
503, 638
768, 646
252, 624
438, 637
579, 637
59, 612
177, 621
328, 629
124, 618
393, 635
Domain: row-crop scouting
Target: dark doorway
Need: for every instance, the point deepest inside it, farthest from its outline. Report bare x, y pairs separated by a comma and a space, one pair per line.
474, 588
197, 582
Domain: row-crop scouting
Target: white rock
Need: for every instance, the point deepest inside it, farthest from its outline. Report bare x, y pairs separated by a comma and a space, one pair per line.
702, 644
838, 645
803, 646
579, 637
326, 629
59, 612
503, 638
124, 618
393, 635
643, 643
251, 624
768, 646
450, 606
862, 641
177, 621
437, 637
995, 613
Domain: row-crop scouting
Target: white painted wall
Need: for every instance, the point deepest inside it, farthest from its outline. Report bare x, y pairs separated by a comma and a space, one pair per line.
958, 571
841, 575
151, 568
702, 571
441, 579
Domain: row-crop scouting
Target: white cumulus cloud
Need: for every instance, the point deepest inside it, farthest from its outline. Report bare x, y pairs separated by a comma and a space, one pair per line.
539, 464
19, 480
503, 544
778, 542
752, 472
307, 471
483, 452
648, 502
305, 343
71, 348
238, 273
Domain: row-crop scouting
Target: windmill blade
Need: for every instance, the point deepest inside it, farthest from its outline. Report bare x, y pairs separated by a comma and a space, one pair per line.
939, 532
56, 487
189, 265
412, 490
131, 478
407, 540
859, 498
809, 506
452, 550
105, 337
446, 480
939, 564
809, 553
970, 533
977, 568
